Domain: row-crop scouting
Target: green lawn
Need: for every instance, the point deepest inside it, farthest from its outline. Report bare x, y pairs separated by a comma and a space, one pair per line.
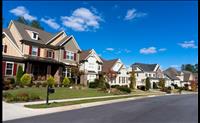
57, 104
60, 93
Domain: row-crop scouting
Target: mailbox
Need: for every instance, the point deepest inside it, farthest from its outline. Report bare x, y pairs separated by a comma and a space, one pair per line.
51, 90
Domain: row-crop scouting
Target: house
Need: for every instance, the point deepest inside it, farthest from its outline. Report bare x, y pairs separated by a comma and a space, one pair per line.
142, 71
40, 53
90, 64
116, 72
174, 76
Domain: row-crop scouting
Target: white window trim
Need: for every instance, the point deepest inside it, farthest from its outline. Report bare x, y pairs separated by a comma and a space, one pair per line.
37, 36
12, 68
66, 55
32, 51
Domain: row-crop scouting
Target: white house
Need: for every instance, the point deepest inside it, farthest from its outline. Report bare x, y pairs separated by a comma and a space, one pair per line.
90, 64
142, 71
116, 72
173, 76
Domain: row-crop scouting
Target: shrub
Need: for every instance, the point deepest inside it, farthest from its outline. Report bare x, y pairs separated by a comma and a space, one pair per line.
33, 97
12, 80
114, 86
38, 84
161, 83
19, 74
44, 84
26, 79
56, 85
148, 84
6, 94
142, 87
166, 89
93, 85
124, 89
107, 85
50, 81
6, 85
66, 82
21, 97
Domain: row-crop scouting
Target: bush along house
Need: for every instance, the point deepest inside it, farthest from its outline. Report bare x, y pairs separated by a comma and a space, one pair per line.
39, 53
91, 66
115, 72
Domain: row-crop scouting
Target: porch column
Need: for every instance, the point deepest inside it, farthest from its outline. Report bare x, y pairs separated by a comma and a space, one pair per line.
28, 68
48, 70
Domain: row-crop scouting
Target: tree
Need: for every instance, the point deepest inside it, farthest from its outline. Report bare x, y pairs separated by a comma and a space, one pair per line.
148, 84
161, 83
196, 68
36, 24
22, 20
66, 82
20, 73
133, 80
189, 67
76, 73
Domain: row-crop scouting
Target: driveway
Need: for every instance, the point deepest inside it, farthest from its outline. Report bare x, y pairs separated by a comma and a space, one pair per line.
163, 109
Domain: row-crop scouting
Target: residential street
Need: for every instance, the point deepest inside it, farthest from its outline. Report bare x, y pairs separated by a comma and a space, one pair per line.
164, 109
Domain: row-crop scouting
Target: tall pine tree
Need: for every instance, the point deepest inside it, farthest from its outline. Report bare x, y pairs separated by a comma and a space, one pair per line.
36, 24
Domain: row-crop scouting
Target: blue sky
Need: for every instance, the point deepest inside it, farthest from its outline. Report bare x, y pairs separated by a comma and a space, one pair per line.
134, 31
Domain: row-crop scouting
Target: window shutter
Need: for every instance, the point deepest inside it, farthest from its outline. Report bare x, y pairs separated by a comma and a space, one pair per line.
53, 54
74, 56
3, 68
5, 49
47, 54
30, 50
38, 51
64, 54
15, 69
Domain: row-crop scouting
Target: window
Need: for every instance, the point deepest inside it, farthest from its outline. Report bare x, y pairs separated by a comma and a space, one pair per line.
99, 67
149, 75
4, 49
34, 51
146, 74
35, 35
50, 54
70, 55
9, 68
119, 79
137, 74
154, 75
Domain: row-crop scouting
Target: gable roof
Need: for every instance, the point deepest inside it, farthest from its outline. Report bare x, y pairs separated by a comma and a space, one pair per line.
172, 73
84, 54
144, 67
10, 36
108, 64
44, 37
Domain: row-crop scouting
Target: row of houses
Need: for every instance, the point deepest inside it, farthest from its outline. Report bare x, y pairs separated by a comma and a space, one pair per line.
42, 54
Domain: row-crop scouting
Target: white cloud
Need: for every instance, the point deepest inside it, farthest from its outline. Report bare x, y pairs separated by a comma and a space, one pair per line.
110, 49
162, 49
150, 50
82, 19
188, 44
127, 51
51, 22
22, 11
132, 14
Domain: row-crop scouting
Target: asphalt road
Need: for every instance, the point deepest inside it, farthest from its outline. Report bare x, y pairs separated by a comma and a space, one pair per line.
165, 109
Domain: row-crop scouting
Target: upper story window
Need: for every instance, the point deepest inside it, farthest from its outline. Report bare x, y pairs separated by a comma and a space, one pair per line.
146, 74
99, 67
137, 74
9, 68
4, 49
34, 35
154, 75
149, 75
69, 55
34, 51
50, 54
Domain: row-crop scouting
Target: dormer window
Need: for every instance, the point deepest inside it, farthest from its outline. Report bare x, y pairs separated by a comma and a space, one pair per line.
35, 35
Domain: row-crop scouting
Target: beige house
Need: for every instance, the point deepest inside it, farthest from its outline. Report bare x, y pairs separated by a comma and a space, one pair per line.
39, 52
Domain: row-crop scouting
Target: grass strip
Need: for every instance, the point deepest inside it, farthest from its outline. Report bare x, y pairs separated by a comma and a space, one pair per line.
58, 104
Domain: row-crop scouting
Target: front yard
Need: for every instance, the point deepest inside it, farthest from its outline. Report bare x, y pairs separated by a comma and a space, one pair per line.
60, 93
